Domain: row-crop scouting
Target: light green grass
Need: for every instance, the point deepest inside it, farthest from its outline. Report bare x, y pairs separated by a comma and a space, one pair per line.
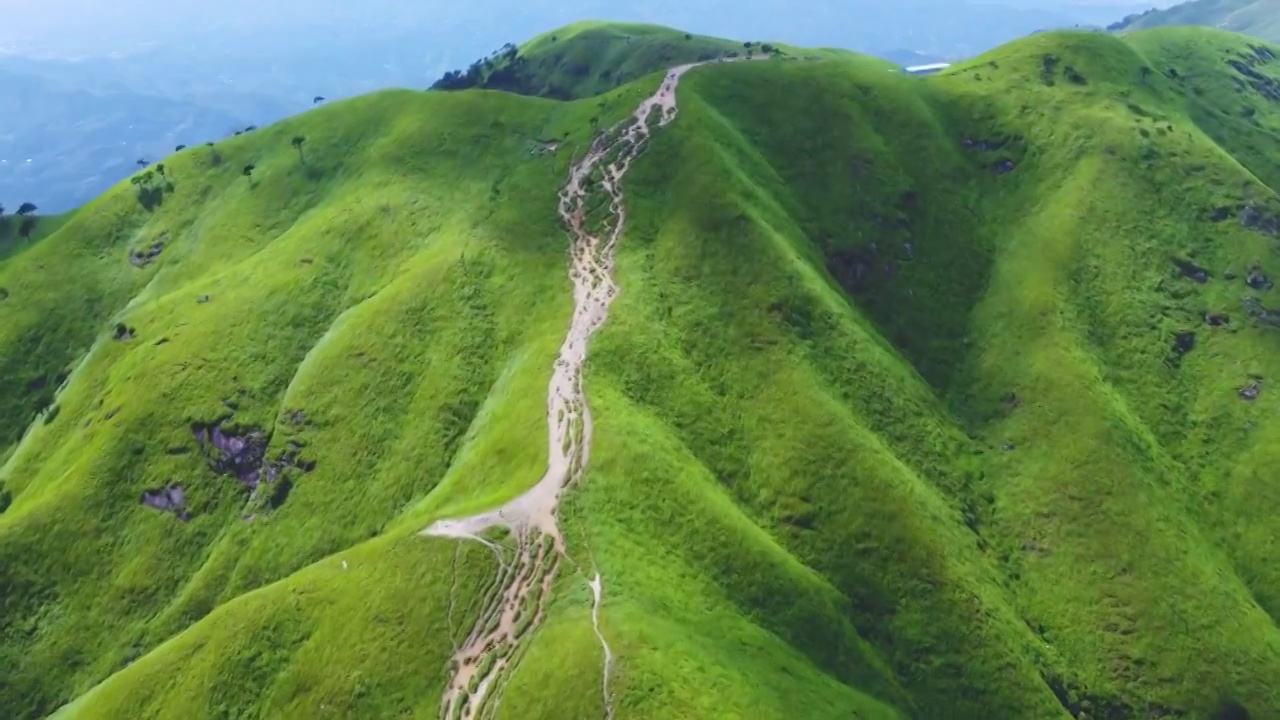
811, 491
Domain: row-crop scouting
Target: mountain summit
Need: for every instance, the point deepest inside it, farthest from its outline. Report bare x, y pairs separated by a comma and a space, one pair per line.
743, 382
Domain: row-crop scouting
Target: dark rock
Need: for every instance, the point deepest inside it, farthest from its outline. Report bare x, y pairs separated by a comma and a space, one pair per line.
1231, 710
1002, 167
202, 299
280, 493
4, 294
1257, 280
143, 258
909, 250
1261, 313
1220, 214
1265, 86
1217, 319
1252, 218
169, 499
1228, 275
1262, 54
1252, 390
1183, 343
1191, 270
852, 269
122, 332
242, 454
1011, 401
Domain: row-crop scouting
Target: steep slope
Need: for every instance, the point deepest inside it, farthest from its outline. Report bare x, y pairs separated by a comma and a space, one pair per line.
1259, 18
916, 398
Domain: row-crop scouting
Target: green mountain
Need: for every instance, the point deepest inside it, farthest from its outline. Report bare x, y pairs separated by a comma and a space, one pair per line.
908, 397
1260, 18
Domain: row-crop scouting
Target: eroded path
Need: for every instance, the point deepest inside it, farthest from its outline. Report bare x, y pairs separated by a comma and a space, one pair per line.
592, 207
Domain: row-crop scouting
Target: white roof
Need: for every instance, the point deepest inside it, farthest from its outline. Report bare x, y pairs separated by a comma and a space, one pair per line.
931, 66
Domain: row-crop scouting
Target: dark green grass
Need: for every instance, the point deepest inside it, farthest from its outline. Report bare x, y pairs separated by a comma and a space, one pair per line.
965, 481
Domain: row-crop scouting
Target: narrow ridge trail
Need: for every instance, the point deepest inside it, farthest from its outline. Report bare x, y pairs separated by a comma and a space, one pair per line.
515, 605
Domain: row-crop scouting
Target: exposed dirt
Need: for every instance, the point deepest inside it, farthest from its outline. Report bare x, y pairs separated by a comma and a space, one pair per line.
517, 603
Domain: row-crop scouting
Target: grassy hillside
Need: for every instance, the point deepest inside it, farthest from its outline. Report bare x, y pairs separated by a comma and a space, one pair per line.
588, 58
923, 397
1259, 18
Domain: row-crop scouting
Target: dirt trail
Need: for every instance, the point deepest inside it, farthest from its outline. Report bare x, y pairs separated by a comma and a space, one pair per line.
517, 601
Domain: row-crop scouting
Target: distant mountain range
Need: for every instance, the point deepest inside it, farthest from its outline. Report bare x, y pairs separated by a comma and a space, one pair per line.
1260, 18
90, 95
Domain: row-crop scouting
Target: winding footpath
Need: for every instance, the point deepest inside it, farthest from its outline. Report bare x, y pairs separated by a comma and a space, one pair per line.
516, 603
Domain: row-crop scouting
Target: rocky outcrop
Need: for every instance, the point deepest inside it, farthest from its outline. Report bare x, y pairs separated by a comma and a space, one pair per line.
143, 258
1183, 343
242, 454
171, 499
1191, 270
1259, 220
1256, 280
1254, 307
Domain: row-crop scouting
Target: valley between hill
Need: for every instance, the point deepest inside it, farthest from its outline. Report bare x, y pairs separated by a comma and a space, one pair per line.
917, 397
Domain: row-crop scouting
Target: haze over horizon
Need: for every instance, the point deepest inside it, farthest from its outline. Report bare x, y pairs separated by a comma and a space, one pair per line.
88, 27
94, 87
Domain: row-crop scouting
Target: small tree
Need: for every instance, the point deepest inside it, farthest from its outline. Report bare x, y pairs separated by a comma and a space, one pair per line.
26, 228
160, 169
248, 171
26, 208
1, 210
180, 148
319, 99
297, 143
142, 162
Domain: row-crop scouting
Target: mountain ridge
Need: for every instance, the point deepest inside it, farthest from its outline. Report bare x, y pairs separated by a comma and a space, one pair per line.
894, 411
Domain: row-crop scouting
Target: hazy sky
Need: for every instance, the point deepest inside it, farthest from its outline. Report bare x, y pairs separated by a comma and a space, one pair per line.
96, 26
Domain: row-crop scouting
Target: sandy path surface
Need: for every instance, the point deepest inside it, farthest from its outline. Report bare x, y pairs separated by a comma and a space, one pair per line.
516, 603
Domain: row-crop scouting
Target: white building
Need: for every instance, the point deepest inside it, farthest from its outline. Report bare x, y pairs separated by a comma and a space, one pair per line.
926, 69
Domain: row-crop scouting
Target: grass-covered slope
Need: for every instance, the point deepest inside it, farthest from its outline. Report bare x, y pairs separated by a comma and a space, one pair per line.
588, 58
944, 397
1260, 18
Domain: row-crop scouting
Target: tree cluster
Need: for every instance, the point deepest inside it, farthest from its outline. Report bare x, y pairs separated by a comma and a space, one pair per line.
499, 66
26, 220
